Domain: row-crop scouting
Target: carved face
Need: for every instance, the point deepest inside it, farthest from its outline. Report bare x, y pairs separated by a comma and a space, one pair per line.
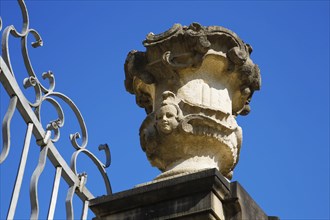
166, 119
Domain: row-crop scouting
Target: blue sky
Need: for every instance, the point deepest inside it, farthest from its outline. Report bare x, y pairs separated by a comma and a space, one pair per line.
284, 162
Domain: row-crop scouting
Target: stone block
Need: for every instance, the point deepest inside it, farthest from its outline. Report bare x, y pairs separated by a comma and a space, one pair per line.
202, 195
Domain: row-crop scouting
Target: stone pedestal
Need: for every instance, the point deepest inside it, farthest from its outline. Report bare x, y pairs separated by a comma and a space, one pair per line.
202, 195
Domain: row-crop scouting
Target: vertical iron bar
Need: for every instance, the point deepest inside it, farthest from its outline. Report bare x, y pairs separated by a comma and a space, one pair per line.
20, 172
34, 182
53, 200
68, 202
85, 210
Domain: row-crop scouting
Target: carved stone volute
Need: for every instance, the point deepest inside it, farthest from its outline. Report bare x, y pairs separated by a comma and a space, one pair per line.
193, 82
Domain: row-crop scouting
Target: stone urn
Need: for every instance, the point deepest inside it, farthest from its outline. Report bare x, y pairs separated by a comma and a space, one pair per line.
193, 81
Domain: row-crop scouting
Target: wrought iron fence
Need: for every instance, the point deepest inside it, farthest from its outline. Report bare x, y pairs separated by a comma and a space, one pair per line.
46, 136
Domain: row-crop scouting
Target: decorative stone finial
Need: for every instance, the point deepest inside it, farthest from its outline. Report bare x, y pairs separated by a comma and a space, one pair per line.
193, 82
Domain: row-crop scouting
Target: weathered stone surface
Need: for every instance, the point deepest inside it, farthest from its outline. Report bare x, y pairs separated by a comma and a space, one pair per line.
247, 207
203, 195
193, 82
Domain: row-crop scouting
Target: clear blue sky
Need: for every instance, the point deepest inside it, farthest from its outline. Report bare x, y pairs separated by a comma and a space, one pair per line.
284, 162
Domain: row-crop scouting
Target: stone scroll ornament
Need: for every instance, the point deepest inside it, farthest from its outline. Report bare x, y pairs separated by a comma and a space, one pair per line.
192, 82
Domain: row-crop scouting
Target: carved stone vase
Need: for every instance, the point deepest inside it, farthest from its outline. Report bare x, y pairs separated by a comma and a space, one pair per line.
193, 82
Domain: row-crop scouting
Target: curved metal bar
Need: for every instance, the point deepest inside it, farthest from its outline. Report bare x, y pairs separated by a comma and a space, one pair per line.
6, 129
68, 203
101, 167
38, 43
55, 124
12, 30
74, 108
32, 81
34, 183
59, 110
106, 149
5, 45
50, 76
25, 16
36, 84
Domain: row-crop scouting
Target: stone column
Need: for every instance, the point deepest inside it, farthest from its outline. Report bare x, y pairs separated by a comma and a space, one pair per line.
192, 82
